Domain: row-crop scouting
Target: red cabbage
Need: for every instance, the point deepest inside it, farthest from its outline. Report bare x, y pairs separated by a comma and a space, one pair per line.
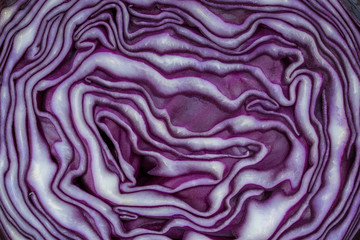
192, 119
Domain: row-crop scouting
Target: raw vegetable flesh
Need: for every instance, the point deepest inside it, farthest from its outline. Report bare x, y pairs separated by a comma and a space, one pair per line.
158, 120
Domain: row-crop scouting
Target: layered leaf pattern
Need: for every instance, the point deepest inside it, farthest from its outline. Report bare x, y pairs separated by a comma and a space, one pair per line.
144, 119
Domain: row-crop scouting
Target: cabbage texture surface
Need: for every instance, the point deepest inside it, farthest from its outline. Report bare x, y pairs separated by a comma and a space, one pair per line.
179, 119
